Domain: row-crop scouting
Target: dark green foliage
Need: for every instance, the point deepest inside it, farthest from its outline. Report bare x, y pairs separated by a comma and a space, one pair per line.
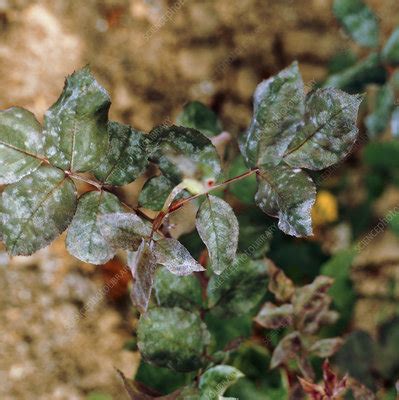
173, 338
196, 115
246, 189
195, 312
240, 288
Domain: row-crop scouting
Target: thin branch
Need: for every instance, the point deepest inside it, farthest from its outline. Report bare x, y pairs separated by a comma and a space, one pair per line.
91, 182
179, 204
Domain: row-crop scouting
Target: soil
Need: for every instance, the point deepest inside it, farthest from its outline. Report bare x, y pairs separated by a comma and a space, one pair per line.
153, 56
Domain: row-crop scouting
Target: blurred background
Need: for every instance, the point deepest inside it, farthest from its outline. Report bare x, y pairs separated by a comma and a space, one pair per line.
154, 56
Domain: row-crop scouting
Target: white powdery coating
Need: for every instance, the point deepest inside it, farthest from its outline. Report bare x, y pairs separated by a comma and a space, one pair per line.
218, 228
175, 257
143, 266
124, 230
126, 158
84, 239
216, 380
329, 130
20, 142
288, 194
34, 211
75, 127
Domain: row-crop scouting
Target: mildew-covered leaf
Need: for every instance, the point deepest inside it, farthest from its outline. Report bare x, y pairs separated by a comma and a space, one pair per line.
279, 284
143, 266
75, 127
390, 53
358, 21
288, 194
329, 130
126, 157
35, 210
172, 338
279, 105
123, 230
325, 348
175, 257
273, 317
217, 226
216, 380
84, 239
239, 288
378, 120
287, 349
198, 116
311, 304
177, 291
155, 192
20, 144
188, 148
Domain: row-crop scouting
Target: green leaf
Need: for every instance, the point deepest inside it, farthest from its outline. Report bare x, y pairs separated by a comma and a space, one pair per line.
390, 53
357, 357
173, 338
245, 189
287, 349
342, 61
126, 157
358, 20
175, 257
274, 317
256, 233
163, 380
288, 194
124, 230
197, 116
382, 155
34, 211
240, 288
143, 266
378, 120
75, 127
329, 130
341, 291
189, 149
177, 291
355, 78
388, 339
215, 381
155, 192
279, 104
217, 226
394, 223
21, 143
84, 239
136, 391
